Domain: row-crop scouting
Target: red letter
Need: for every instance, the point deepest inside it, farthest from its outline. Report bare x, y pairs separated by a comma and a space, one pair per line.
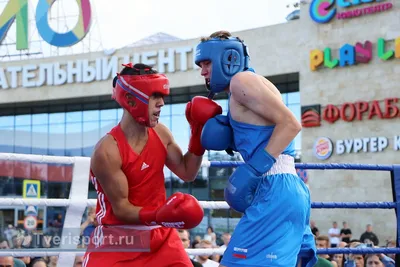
331, 113
363, 52
361, 107
352, 112
375, 110
391, 110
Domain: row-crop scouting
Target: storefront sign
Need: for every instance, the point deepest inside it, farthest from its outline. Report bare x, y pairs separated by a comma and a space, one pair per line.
30, 189
90, 70
18, 10
323, 147
349, 55
323, 11
348, 112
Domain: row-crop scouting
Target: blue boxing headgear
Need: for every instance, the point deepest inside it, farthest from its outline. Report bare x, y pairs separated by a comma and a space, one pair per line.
228, 57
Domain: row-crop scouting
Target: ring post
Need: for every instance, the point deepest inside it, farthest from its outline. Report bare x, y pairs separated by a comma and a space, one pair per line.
395, 177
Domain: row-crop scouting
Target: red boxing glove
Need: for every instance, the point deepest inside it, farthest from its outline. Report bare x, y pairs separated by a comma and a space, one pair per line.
198, 112
181, 211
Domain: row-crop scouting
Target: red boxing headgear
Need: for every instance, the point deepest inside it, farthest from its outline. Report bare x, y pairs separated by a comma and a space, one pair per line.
141, 87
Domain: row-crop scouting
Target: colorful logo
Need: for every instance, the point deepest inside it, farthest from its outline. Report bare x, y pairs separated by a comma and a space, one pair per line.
321, 12
311, 116
18, 10
323, 148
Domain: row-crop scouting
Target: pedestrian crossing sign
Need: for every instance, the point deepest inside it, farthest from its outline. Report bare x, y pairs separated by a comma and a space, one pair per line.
31, 189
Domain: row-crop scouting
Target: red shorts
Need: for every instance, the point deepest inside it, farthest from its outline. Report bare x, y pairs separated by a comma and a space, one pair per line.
166, 249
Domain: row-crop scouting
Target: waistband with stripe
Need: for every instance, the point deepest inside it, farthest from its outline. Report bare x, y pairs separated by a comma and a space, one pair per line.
283, 164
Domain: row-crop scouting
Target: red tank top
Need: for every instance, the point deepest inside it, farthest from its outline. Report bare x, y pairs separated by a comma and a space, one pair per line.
145, 174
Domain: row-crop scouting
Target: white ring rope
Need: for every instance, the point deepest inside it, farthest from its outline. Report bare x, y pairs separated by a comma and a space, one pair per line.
80, 252
40, 158
57, 159
53, 202
78, 197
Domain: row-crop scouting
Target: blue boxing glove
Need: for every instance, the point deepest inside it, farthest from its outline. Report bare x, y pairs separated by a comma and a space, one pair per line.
217, 134
243, 183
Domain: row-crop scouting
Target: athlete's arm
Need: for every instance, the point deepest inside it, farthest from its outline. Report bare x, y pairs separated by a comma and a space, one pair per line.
250, 91
106, 166
185, 166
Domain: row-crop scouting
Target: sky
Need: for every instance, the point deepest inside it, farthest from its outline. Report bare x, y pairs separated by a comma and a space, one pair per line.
185, 19
118, 23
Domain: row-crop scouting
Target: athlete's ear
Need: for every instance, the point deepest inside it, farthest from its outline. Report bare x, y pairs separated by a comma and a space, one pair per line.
131, 100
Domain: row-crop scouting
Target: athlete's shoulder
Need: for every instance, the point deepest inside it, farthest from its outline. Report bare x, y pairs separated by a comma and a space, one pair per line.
244, 76
163, 132
161, 128
106, 149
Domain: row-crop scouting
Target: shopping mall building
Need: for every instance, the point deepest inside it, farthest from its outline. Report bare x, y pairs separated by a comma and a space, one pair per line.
338, 70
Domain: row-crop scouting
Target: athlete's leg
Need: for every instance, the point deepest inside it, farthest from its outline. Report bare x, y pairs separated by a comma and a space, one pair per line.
271, 231
308, 255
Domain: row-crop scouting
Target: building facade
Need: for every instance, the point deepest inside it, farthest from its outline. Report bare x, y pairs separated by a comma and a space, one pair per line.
338, 71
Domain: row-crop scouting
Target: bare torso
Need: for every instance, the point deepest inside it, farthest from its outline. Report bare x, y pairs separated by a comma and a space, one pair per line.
241, 113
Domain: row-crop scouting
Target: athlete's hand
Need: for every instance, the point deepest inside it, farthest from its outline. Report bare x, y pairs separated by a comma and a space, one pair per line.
217, 135
198, 111
181, 211
243, 182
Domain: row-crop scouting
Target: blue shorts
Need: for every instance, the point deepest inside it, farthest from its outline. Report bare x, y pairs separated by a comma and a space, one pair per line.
275, 227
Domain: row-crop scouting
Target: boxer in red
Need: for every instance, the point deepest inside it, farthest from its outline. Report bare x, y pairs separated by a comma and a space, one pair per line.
127, 172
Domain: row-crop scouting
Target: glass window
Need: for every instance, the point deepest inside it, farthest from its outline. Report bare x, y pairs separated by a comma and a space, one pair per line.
106, 126
57, 139
297, 141
7, 121
180, 131
166, 110
179, 186
295, 108
23, 119
7, 139
58, 190
108, 114
92, 194
168, 185
75, 116
40, 139
73, 139
91, 135
167, 173
200, 188
9, 187
87, 151
284, 98
91, 115
166, 120
23, 139
178, 109
217, 185
57, 118
294, 98
38, 119
120, 111
224, 104
72, 128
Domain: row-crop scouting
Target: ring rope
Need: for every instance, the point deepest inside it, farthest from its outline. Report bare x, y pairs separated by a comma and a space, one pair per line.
205, 204
312, 166
191, 251
44, 159
315, 166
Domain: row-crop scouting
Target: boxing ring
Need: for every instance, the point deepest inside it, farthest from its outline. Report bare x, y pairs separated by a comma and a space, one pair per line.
78, 201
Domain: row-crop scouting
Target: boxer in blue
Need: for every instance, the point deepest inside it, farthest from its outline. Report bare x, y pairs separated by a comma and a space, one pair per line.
274, 201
